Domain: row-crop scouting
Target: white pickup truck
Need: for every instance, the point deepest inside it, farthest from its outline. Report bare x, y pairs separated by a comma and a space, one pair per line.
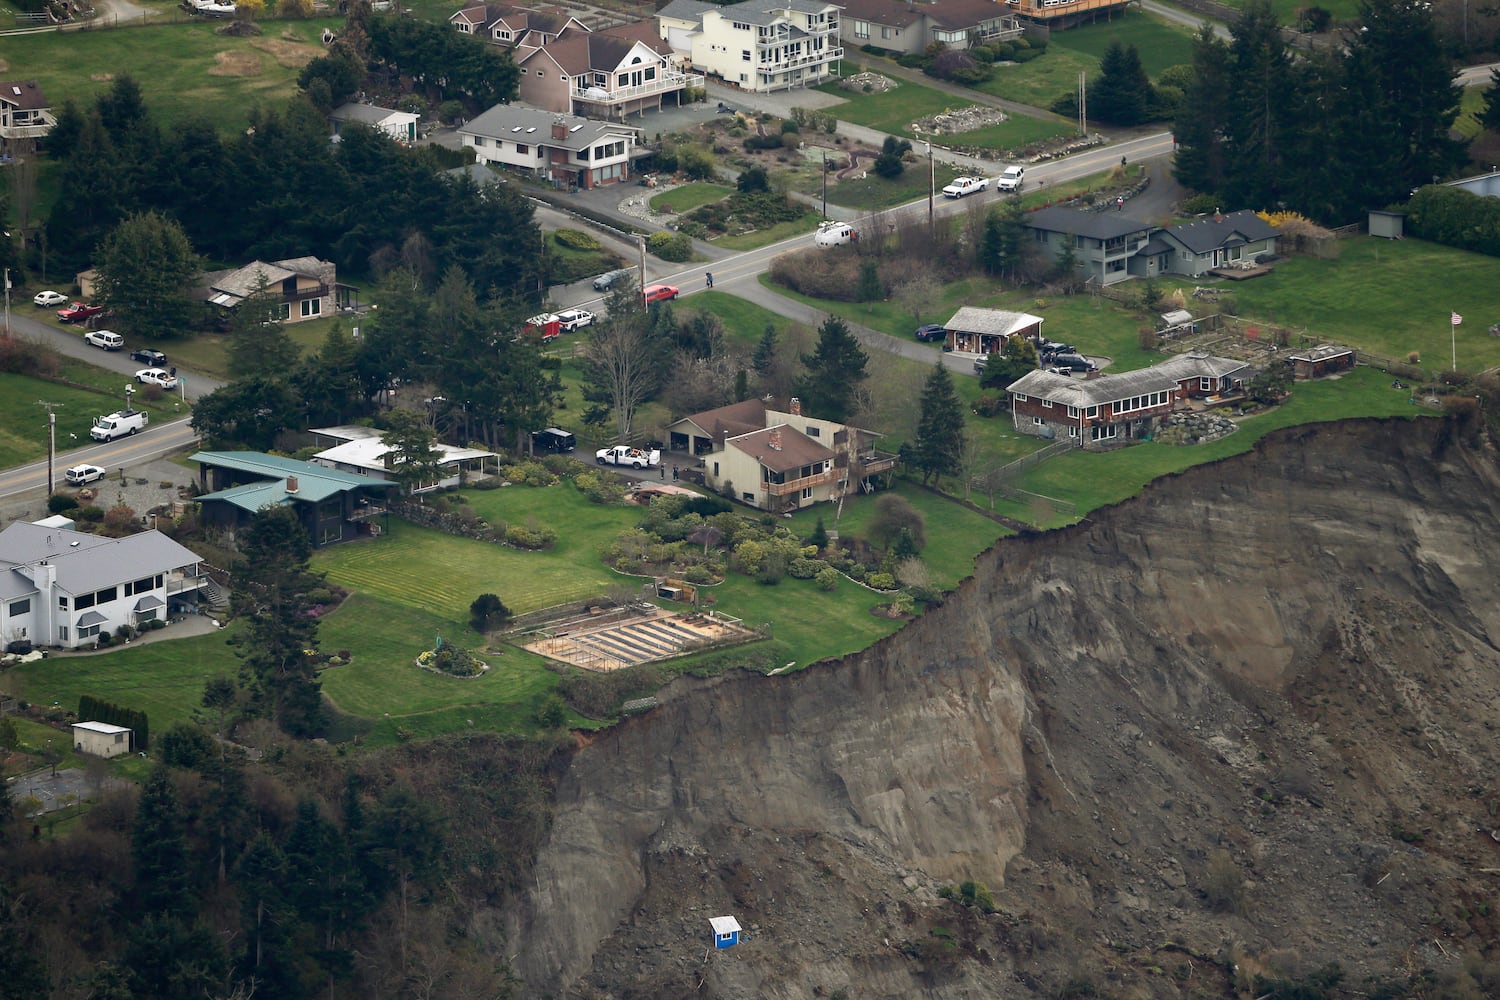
622, 454
118, 424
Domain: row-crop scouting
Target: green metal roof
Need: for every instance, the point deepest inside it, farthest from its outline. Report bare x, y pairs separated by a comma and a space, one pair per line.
315, 483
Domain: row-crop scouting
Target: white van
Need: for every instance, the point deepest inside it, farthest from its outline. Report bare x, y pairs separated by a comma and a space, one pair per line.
834, 234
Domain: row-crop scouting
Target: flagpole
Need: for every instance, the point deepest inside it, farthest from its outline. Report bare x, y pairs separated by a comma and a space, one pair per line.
1453, 321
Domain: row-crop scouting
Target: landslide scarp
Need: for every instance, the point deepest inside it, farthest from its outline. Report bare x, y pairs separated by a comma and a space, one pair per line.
1242, 725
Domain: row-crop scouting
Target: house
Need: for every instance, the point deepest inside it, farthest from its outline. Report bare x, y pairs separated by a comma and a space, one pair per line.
908, 28
726, 931
24, 112
1057, 14
63, 588
358, 450
100, 739
757, 45
566, 150
1104, 243
1320, 361
333, 506
515, 27
1111, 247
1096, 412
982, 332
301, 287
399, 125
1218, 241
779, 460
608, 74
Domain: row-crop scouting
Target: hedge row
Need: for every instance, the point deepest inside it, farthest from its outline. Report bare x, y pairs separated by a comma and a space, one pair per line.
91, 709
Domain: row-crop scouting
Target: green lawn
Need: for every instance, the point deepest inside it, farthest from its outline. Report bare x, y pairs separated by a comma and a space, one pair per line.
688, 197
895, 110
1388, 297
91, 392
185, 70
209, 352
775, 234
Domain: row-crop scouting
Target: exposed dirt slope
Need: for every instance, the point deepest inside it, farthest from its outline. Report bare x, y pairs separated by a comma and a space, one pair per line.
1240, 725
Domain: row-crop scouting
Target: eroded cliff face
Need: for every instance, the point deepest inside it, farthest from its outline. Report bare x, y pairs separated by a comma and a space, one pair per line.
1241, 724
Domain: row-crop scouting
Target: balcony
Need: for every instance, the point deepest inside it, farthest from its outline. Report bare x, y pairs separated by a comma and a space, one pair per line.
666, 83
820, 57
875, 462
181, 582
31, 128
792, 486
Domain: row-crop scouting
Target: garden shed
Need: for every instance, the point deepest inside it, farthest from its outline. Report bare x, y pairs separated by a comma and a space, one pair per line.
101, 739
1321, 361
1391, 225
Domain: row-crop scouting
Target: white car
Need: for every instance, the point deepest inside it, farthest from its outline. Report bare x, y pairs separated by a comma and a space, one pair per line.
105, 340
1010, 179
50, 299
575, 319
80, 475
159, 377
966, 185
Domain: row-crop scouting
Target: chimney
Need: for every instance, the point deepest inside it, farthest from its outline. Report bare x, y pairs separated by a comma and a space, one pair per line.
559, 129
1217, 216
291, 484
796, 407
774, 439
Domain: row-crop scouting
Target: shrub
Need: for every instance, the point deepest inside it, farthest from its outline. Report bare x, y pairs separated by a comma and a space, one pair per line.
525, 537
59, 502
893, 514
827, 578
696, 161
790, 125
487, 613
805, 569
753, 179
1200, 204
882, 581
675, 247
1223, 886
119, 518
91, 514
577, 239
755, 142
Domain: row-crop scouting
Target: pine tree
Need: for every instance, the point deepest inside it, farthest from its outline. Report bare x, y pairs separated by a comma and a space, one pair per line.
159, 850
1202, 116
146, 267
1260, 117
938, 448
765, 351
1491, 117
869, 288
266, 916
1123, 94
836, 371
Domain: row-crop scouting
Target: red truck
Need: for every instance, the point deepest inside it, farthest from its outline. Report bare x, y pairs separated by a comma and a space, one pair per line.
78, 312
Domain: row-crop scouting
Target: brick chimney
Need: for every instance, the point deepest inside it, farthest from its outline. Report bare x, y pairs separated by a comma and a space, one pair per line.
796, 407
559, 129
291, 484
1218, 217
774, 439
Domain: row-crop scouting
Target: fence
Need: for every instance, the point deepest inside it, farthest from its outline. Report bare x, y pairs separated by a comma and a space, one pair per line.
997, 481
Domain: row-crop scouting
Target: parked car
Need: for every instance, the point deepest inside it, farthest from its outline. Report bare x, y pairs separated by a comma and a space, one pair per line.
1075, 362
609, 279
158, 377
80, 475
660, 293
146, 356
78, 312
966, 185
931, 333
1010, 179
574, 319
105, 340
49, 298
553, 439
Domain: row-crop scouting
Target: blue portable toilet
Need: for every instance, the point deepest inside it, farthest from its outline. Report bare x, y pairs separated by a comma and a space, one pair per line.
726, 931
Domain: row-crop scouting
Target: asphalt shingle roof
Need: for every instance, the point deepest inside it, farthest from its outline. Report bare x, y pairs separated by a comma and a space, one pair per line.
1233, 229
797, 449
1109, 388
1094, 225
87, 562
536, 128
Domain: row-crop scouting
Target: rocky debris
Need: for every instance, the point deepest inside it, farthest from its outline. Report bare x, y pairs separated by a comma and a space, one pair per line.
968, 119
1192, 427
868, 83
638, 206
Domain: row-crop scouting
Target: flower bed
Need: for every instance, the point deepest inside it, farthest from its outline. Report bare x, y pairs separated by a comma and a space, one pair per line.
452, 660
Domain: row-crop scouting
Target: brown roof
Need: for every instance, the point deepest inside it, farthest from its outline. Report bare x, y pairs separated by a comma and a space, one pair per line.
732, 420
23, 95
964, 13
797, 449
896, 13
639, 31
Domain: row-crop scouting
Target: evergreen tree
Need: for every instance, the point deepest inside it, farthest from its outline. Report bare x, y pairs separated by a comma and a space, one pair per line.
938, 447
1260, 117
22, 973
765, 351
267, 919
1016, 359
159, 851
272, 598
402, 846
835, 373
259, 346
168, 959
250, 413
1002, 241
1491, 117
413, 453
325, 888
1123, 94
1202, 116
869, 288
146, 269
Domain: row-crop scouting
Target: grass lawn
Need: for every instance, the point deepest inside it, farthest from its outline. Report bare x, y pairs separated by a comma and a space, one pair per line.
872, 192
185, 70
1388, 297
688, 197
209, 352
895, 110
775, 234
1094, 480
1470, 108
94, 391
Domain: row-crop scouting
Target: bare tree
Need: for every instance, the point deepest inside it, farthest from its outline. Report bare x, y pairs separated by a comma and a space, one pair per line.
918, 293
624, 362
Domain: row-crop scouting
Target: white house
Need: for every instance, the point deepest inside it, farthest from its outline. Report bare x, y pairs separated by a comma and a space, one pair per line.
399, 125
757, 45
102, 739
360, 451
62, 588
563, 149
24, 111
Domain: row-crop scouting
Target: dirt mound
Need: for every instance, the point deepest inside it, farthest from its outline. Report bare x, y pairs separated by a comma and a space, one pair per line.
291, 54
967, 119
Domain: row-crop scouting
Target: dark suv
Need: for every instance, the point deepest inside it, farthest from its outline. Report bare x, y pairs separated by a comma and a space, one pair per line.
147, 356
553, 439
930, 333
609, 279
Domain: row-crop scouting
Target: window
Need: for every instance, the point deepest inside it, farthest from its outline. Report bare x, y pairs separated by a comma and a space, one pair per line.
745, 54
520, 149
1072, 432
1046, 404
480, 140
739, 25
62, 633
107, 594
813, 432
84, 601
1020, 397
1037, 421
807, 493
1072, 411
145, 616
861, 29
62, 604
540, 74
1206, 384
312, 307
1092, 411
87, 631
21, 607
885, 32
285, 310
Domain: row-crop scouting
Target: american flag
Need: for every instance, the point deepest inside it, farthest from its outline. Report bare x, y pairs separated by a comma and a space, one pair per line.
1457, 319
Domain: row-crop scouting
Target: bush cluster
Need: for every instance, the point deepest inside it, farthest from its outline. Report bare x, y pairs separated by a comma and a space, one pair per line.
1455, 218
528, 537
577, 239
745, 212
675, 247
528, 473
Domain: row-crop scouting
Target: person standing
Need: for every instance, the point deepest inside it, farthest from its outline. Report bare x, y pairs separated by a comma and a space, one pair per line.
709, 278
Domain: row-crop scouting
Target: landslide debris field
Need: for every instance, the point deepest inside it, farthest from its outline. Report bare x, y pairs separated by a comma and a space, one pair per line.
1207, 743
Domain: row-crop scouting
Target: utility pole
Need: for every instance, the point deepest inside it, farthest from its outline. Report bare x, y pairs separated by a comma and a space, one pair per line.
7, 301
825, 184
1083, 103
51, 439
640, 245
931, 192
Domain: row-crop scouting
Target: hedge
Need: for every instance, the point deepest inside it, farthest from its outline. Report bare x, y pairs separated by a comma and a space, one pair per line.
91, 709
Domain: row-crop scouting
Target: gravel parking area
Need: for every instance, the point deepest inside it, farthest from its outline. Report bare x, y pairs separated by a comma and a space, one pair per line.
140, 490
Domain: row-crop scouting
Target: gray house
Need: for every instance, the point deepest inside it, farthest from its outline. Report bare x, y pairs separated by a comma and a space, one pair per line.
908, 28
1111, 246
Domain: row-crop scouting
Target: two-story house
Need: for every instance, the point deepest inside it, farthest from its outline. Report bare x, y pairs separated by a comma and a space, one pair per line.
63, 588
607, 74
24, 111
1111, 246
1107, 409
332, 506
1103, 242
908, 28
512, 26
779, 460
565, 150
757, 45
300, 288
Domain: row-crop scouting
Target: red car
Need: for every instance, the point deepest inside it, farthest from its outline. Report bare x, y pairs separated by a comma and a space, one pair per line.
659, 293
78, 312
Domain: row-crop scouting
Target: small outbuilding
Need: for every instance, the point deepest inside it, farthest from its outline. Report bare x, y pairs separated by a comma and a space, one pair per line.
726, 931
1391, 225
100, 739
1321, 361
